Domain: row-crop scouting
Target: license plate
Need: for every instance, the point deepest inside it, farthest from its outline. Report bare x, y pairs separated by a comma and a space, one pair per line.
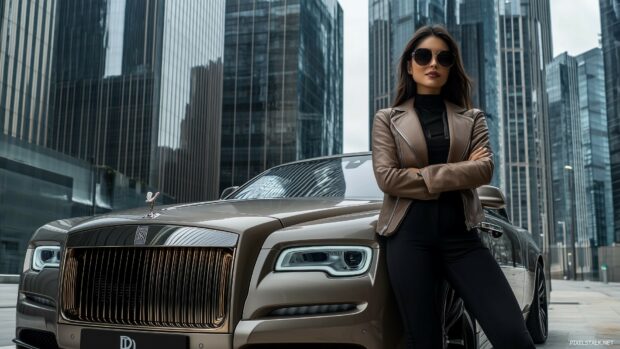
102, 339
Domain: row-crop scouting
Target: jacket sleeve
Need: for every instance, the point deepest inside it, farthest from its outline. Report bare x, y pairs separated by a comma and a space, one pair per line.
391, 178
463, 174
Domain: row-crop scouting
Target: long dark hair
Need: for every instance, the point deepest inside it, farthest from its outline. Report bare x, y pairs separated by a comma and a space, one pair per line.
458, 86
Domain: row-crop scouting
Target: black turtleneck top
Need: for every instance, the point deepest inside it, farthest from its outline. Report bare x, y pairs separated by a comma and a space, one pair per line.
431, 111
446, 213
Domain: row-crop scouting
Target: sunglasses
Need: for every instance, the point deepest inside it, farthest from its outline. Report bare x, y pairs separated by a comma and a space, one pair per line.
423, 56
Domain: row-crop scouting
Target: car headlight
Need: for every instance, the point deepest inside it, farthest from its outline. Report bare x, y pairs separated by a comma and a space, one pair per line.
44, 256
335, 260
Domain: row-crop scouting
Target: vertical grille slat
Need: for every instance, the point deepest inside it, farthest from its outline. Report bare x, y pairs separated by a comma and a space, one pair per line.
95, 307
192, 290
130, 314
186, 287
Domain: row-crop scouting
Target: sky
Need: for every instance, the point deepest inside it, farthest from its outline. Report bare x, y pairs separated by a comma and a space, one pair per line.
575, 28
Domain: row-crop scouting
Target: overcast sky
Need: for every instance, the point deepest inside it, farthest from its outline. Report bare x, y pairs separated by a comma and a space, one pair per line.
575, 26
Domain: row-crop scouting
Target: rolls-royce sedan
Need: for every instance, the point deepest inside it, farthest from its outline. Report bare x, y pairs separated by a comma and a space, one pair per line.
289, 259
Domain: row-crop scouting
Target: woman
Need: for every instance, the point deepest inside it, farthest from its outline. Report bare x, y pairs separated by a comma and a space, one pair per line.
430, 151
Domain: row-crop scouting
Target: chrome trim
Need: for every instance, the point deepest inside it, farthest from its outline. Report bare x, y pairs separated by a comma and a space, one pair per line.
162, 235
22, 344
317, 267
193, 237
495, 230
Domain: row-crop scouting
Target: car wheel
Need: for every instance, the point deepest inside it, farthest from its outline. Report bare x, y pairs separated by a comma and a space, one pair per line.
458, 326
537, 319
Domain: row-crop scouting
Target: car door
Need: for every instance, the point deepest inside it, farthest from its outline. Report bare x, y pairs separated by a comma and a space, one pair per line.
498, 236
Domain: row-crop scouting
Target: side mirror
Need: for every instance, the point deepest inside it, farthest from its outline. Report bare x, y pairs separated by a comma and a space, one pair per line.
491, 197
228, 191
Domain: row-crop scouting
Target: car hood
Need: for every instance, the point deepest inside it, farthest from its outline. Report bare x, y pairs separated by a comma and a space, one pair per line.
237, 216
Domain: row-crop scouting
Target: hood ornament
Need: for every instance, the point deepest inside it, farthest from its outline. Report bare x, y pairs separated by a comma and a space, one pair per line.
150, 199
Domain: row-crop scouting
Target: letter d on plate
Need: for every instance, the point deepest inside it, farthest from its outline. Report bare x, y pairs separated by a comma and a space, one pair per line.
127, 343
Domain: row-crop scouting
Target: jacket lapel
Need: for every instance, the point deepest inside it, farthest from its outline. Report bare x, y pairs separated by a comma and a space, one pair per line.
460, 132
407, 123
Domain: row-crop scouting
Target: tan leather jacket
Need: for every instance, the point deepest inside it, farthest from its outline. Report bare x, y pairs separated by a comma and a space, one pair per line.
398, 145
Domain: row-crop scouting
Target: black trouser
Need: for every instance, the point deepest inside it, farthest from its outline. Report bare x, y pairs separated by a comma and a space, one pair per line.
418, 258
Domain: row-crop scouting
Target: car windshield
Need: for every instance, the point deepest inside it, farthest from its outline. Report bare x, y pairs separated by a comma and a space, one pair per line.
349, 177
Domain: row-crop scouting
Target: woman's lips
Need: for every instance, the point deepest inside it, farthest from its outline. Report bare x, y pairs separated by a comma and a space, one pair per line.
433, 75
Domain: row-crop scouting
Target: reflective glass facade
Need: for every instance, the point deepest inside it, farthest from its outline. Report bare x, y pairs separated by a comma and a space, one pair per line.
26, 44
568, 183
282, 83
38, 185
610, 32
525, 49
593, 112
102, 101
479, 33
136, 86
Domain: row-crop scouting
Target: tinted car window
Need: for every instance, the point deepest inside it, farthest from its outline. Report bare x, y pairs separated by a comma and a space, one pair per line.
349, 177
501, 247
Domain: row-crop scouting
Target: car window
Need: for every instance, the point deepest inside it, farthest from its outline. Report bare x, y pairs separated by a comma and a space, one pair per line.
349, 177
501, 247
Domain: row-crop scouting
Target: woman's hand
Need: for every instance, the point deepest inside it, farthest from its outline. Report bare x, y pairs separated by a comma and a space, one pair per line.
479, 154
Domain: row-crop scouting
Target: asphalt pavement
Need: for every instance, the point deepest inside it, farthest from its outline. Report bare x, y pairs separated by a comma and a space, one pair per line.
582, 314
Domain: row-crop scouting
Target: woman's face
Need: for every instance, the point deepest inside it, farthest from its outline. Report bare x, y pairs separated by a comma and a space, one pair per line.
431, 76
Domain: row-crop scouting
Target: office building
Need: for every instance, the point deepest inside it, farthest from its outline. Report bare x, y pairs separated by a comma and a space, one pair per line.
567, 158
525, 49
282, 83
102, 101
597, 181
124, 82
610, 34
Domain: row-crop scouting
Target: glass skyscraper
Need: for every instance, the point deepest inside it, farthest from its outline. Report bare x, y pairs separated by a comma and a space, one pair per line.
593, 112
567, 160
610, 32
102, 101
525, 49
26, 44
282, 83
137, 85
479, 33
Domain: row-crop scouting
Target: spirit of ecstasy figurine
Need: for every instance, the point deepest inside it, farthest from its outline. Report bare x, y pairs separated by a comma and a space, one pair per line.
150, 199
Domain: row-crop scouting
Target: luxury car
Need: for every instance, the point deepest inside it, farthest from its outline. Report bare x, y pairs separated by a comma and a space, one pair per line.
289, 259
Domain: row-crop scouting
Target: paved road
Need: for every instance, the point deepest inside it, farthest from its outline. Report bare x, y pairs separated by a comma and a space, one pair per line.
587, 313
584, 310
8, 298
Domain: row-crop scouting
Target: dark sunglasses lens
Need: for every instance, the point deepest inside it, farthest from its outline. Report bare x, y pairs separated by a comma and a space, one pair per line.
422, 56
445, 58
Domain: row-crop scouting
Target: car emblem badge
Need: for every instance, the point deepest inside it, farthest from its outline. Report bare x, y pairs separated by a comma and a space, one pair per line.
141, 233
127, 343
150, 200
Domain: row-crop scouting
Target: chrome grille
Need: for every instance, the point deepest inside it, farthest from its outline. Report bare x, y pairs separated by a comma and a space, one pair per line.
184, 287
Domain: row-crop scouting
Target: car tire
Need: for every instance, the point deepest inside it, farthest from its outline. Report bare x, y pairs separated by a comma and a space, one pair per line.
458, 326
538, 317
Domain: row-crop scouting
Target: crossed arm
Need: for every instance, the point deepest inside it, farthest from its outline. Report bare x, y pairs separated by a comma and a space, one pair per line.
428, 182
